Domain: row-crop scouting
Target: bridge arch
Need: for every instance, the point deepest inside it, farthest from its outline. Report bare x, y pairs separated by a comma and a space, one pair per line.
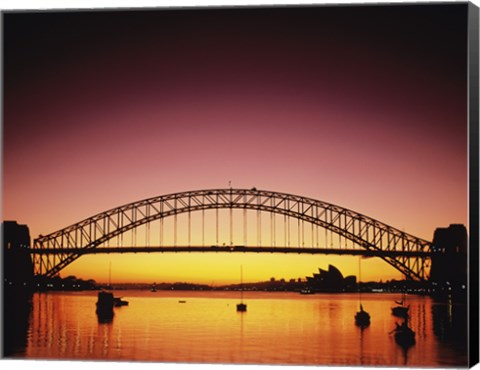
405, 252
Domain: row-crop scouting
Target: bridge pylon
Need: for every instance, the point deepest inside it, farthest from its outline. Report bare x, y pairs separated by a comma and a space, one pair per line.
449, 271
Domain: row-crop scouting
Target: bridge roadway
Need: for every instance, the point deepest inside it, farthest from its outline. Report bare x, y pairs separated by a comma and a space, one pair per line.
230, 249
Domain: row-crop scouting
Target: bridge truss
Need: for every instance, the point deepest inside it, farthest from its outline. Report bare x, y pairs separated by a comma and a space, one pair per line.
107, 232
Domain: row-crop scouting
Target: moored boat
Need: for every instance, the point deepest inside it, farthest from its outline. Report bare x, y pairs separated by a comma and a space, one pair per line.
105, 303
362, 318
241, 307
119, 302
401, 310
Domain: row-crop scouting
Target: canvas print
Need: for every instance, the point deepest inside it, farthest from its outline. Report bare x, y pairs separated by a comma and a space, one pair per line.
283, 185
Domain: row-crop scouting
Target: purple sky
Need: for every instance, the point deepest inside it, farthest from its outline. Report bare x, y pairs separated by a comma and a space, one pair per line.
364, 107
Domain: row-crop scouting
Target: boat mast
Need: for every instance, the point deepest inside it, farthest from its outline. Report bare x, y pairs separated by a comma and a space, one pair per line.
241, 283
359, 279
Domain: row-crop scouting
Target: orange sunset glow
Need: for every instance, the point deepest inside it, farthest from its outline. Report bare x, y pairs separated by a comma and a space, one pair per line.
146, 104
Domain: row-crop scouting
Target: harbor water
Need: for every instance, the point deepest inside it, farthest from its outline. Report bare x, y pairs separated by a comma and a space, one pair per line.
277, 328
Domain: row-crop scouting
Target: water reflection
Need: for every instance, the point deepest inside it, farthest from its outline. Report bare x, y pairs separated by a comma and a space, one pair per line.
17, 314
105, 317
405, 354
279, 328
449, 320
362, 329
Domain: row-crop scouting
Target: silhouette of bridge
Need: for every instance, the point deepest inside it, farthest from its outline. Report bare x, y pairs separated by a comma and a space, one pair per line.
317, 228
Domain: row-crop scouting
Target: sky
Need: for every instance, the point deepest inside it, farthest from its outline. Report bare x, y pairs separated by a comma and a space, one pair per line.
364, 107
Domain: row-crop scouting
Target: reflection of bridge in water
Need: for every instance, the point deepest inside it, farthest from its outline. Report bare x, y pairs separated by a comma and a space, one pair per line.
226, 220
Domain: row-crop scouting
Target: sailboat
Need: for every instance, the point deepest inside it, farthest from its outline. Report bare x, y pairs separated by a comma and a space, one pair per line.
362, 317
241, 307
104, 310
401, 310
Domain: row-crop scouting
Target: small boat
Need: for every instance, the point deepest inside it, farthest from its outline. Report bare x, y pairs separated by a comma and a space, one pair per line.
362, 318
401, 310
306, 291
105, 303
182, 301
119, 302
241, 307
404, 336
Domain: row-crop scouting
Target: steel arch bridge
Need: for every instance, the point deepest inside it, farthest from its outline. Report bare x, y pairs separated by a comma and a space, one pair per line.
408, 254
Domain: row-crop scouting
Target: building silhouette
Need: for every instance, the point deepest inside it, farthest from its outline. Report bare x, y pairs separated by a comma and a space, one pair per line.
331, 280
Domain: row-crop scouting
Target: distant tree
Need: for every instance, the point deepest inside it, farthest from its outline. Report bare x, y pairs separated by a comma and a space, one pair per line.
272, 279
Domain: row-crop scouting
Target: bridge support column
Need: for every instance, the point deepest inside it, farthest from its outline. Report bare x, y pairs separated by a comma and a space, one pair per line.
17, 261
448, 273
17, 286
